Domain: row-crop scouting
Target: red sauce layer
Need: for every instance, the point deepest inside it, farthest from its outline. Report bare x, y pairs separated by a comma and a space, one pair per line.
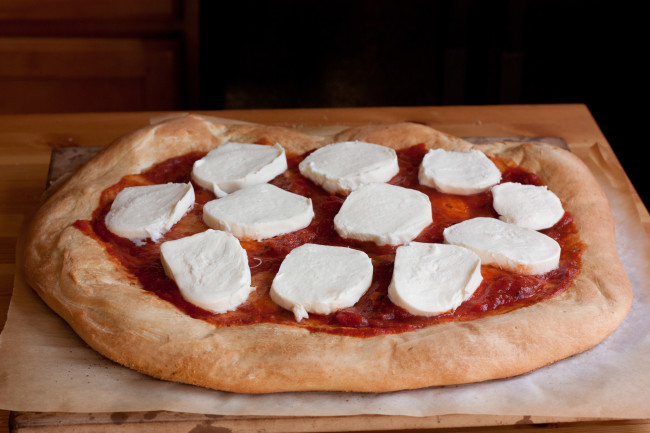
374, 314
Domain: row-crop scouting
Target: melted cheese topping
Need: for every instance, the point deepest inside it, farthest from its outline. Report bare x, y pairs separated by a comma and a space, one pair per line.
462, 173
321, 279
529, 206
259, 212
506, 246
210, 269
149, 211
233, 166
383, 214
345, 166
430, 279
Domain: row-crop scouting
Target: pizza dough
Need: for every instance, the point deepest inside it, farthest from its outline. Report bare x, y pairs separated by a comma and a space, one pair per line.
107, 308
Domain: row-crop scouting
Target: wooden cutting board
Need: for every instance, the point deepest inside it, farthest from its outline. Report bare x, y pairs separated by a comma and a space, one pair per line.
174, 422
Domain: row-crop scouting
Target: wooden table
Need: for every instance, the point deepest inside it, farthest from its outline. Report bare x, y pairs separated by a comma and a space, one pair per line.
26, 142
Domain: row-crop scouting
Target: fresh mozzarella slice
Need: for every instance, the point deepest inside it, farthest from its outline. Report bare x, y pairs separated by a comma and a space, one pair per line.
430, 279
259, 212
529, 206
321, 279
462, 173
383, 214
345, 166
505, 245
210, 269
149, 211
233, 166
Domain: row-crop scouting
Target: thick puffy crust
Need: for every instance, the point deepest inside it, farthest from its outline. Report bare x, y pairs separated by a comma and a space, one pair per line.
111, 312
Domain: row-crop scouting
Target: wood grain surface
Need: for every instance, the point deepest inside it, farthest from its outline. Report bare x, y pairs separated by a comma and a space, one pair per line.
27, 141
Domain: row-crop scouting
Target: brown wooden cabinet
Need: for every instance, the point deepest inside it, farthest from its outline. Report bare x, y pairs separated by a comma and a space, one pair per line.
117, 55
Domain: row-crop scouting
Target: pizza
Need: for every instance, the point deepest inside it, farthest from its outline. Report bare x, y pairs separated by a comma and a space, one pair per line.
259, 259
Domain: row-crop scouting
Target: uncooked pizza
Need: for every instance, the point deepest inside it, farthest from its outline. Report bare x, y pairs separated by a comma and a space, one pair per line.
259, 259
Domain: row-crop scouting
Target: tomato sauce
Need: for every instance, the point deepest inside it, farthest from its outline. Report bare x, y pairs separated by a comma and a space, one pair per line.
500, 291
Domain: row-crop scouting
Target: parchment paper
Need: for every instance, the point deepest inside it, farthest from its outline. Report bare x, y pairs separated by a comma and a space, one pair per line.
45, 367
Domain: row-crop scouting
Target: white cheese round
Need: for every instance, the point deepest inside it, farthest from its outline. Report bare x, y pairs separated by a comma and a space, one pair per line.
430, 279
210, 269
259, 212
529, 206
321, 279
383, 214
345, 166
233, 166
462, 173
149, 211
505, 245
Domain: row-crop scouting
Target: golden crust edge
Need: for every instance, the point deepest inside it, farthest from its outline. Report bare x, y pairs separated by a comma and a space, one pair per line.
314, 361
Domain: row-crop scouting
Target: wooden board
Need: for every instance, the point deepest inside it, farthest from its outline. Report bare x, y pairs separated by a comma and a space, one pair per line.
161, 421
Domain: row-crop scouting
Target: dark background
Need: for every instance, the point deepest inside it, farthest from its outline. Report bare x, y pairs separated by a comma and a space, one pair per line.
293, 53
152, 55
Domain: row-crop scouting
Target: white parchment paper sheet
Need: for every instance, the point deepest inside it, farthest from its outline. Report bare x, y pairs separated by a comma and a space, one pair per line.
45, 367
